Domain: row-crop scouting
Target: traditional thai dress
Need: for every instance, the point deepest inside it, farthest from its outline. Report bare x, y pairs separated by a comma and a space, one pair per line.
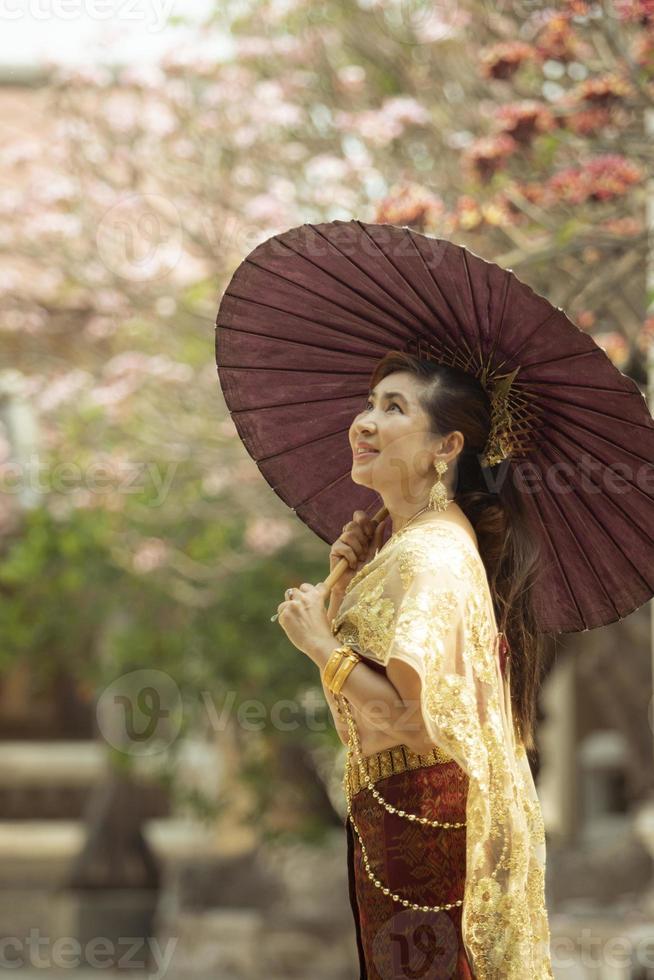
431, 901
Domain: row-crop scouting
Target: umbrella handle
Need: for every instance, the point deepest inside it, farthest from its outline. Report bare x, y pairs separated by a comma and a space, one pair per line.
336, 573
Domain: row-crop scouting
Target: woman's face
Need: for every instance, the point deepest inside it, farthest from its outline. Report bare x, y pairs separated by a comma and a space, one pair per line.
396, 426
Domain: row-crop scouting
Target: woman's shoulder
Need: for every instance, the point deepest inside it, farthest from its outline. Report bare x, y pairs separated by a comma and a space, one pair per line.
439, 538
440, 547
434, 547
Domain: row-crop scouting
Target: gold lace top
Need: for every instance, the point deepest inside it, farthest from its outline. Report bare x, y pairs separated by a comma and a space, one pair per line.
425, 598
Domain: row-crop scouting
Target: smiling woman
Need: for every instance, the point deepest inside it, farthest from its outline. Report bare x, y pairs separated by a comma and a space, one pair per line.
402, 447
444, 826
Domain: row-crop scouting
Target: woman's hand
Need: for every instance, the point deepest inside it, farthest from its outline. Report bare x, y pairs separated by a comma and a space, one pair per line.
303, 617
358, 543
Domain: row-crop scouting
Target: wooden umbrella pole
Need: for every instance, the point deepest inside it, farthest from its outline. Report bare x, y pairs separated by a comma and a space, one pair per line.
336, 573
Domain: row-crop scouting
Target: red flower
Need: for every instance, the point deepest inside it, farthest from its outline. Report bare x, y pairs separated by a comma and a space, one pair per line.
601, 179
602, 90
558, 41
637, 11
503, 60
524, 120
587, 121
409, 204
489, 153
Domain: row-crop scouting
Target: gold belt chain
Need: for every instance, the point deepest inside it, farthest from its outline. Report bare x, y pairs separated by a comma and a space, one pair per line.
365, 780
388, 762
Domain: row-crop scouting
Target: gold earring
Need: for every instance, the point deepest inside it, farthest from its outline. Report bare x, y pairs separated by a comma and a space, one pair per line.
438, 500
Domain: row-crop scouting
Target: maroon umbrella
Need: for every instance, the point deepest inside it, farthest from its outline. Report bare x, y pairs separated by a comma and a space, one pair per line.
309, 313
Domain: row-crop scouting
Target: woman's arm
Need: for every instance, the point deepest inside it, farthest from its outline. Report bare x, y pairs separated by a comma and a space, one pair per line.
377, 707
371, 739
335, 599
371, 736
339, 723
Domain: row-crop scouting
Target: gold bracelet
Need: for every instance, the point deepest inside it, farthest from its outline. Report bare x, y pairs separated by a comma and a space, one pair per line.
345, 664
334, 663
346, 668
348, 659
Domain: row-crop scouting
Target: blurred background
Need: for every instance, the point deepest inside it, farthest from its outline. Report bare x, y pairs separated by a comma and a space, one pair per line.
169, 770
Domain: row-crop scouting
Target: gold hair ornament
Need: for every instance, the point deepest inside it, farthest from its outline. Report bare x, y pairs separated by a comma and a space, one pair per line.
514, 417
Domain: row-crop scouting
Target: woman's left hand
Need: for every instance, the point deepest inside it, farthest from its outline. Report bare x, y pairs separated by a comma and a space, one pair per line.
303, 617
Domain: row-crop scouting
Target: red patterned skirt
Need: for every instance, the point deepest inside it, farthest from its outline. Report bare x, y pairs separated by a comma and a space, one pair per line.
425, 865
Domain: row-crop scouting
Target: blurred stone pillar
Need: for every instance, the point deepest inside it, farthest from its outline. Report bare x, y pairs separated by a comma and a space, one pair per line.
21, 424
557, 779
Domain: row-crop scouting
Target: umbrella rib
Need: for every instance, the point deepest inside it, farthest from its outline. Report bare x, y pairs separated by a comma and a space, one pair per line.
593, 411
575, 384
322, 490
347, 258
612, 501
400, 317
442, 295
287, 340
559, 359
396, 268
574, 537
312, 295
292, 370
477, 318
624, 513
539, 326
498, 333
305, 401
561, 568
431, 312
553, 412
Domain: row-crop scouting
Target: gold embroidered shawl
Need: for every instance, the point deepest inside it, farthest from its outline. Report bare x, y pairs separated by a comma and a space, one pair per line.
425, 598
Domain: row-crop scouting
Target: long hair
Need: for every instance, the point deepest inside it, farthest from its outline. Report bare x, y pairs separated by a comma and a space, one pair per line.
456, 400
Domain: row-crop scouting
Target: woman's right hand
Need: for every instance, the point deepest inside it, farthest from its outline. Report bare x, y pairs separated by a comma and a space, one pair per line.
358, 543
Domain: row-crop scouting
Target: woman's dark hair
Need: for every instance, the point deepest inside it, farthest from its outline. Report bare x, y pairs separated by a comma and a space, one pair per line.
456, 400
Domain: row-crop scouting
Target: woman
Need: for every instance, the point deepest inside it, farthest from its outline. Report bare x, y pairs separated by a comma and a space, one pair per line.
446, 844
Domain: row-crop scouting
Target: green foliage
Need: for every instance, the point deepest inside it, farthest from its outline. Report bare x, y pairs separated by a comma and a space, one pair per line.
56, 586
68, 604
